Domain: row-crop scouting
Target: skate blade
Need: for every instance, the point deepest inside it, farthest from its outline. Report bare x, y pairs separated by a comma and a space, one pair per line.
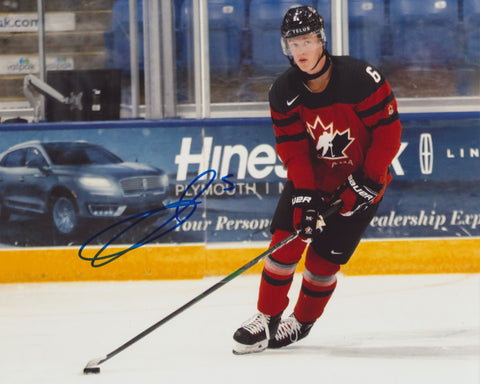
244, 349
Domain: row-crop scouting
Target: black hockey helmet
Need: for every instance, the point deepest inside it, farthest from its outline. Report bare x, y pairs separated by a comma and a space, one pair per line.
301, 20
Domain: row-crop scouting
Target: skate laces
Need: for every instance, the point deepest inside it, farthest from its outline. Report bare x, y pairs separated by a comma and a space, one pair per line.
289, 327
257, 324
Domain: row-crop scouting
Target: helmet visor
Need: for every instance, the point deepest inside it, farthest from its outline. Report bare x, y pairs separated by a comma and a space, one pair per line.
309, 42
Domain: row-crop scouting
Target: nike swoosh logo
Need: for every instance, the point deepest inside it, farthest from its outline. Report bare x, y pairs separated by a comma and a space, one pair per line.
336, 253
290, 102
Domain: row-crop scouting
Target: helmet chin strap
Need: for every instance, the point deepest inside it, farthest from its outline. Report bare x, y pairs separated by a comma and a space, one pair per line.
308, 76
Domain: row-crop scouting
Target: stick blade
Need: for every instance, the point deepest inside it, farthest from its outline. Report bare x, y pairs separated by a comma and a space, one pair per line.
92, 366
91, 370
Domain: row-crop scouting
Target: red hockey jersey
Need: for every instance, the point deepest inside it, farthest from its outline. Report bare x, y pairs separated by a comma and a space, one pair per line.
324, 137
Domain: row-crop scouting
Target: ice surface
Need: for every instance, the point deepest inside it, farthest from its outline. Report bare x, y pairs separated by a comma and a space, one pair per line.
376, 329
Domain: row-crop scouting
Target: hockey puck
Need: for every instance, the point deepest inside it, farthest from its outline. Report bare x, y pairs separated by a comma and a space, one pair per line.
91, 370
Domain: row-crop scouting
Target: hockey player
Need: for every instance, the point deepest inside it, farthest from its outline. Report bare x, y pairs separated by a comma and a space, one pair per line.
337, 130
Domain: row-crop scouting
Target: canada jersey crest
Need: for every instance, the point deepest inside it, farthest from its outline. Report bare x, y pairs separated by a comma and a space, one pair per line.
329, 143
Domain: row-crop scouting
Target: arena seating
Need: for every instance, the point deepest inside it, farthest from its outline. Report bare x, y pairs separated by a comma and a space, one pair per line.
424, 32
402, 37
369, 32
117, 39
226, 27
471, 14
246, 32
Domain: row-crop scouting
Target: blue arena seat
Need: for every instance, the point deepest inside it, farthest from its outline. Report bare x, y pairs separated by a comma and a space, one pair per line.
117, 40
471, 15
368, 30
182, 12
226, 21
424, 32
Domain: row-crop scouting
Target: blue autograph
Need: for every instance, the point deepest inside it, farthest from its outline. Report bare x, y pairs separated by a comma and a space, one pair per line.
184, 209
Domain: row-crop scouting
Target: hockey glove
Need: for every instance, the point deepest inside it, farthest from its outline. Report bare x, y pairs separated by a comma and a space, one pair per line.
358, 193
306, 207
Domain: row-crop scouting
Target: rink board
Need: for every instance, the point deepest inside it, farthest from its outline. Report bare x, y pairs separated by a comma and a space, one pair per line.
428, 221
198, 261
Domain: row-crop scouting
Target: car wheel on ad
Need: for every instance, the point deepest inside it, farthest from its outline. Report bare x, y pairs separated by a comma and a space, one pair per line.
64, 216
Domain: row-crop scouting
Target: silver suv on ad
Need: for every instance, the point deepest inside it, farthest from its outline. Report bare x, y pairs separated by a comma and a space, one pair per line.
70, 183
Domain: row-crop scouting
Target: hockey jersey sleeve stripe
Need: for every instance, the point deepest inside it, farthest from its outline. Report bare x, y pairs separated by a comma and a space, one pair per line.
382, 122
288, 138
376, 108
285, 122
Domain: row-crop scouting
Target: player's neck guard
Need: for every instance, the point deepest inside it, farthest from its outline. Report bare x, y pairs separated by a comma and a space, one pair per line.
306, 76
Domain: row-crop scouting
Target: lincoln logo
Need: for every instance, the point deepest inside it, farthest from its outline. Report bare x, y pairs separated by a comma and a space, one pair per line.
426, 153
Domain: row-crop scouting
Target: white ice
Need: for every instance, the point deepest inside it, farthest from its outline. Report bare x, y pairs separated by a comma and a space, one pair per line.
376, 329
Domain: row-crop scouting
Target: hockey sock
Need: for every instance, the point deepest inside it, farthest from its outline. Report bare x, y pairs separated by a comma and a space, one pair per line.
277, 275
318, 283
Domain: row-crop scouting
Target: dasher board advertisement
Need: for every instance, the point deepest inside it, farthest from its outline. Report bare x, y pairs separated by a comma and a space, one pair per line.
212, 181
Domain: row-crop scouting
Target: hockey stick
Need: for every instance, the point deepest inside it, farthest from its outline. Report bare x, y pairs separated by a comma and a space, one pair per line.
93, 366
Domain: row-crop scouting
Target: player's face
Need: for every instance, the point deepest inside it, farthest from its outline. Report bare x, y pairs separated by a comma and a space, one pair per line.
306, 50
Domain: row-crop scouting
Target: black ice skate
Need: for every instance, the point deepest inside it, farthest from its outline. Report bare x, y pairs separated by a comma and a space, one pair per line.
254, 334
289, 331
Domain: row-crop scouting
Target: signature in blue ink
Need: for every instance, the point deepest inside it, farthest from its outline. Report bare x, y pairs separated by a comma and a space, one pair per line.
184, 209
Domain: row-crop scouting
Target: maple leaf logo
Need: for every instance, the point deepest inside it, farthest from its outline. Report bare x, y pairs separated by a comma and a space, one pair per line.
330, 144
